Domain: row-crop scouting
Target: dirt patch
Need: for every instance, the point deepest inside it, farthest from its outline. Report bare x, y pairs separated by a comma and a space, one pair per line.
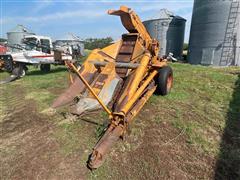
56, 90
164, 154
28, 149
159, 150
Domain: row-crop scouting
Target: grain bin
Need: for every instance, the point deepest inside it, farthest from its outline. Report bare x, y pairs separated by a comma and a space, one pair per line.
15, 36
215, 33
169, 30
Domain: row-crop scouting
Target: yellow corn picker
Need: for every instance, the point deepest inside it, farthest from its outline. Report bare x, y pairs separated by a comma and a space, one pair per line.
119, 78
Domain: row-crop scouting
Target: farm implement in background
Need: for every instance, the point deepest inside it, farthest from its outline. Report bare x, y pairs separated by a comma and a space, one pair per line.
38, 51
120, 79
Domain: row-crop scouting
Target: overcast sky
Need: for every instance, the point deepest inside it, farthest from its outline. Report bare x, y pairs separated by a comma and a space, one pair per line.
83, 18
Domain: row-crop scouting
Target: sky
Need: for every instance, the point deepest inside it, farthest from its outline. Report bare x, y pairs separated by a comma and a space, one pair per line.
86, 19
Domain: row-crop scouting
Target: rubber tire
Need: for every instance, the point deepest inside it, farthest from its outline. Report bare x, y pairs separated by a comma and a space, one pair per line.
45, 68
161, 80
8, 63
19, 70
23, 72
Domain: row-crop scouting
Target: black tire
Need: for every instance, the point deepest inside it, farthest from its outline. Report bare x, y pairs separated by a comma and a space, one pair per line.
45, 68
8, 62
164, 81
19, 70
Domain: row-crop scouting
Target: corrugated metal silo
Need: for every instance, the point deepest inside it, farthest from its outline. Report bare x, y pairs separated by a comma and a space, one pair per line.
169, 30
16, 35
215, 33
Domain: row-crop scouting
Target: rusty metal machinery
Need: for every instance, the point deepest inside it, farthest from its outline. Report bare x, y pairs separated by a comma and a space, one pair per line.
119, 78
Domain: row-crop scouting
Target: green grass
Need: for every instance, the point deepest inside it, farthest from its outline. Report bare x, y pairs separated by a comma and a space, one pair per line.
199, 102
38, 85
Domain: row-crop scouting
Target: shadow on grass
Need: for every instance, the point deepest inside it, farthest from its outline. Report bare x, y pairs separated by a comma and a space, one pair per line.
228, 163
39, 72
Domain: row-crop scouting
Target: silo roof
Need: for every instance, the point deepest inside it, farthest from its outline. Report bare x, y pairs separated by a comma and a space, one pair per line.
70, 37
20, 28
166, 14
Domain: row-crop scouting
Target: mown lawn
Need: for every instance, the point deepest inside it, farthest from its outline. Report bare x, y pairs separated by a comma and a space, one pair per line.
204, 105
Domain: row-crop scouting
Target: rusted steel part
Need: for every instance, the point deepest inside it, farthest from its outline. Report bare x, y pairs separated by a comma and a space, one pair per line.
104, 85
74, 90
110, 137
91, 90
125, 53
114, 133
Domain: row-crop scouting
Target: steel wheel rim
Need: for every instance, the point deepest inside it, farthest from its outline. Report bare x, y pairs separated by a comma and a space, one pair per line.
169, 82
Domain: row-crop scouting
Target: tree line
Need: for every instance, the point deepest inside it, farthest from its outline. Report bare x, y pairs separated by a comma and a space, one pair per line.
93, 43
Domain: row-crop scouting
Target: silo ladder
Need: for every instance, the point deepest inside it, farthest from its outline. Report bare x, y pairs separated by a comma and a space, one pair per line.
229, 45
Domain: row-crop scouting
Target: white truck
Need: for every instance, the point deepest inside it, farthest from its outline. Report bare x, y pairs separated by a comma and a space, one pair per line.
37, 50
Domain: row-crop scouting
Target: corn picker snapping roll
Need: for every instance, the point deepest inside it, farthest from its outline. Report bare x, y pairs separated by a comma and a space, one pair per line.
119, 78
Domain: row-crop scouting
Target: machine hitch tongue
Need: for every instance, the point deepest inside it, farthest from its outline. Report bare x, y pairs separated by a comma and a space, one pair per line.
122, 76
115, 130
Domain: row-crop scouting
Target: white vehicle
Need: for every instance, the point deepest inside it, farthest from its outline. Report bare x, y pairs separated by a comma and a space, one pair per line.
38, 50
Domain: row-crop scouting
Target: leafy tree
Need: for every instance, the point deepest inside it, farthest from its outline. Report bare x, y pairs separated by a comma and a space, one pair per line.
93, 43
